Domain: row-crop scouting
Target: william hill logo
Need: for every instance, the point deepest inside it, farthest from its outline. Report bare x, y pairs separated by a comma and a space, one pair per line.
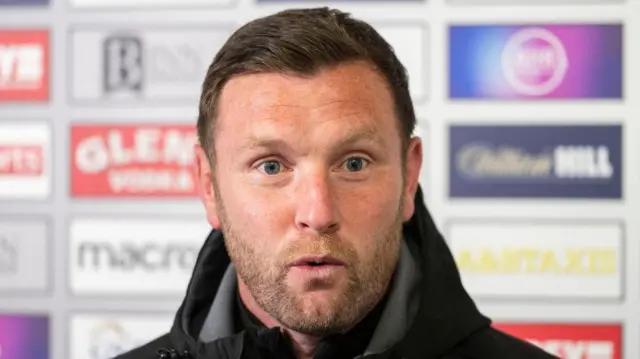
536, 161
561, 162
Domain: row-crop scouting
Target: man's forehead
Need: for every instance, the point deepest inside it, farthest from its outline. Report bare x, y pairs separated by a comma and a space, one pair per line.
348, 82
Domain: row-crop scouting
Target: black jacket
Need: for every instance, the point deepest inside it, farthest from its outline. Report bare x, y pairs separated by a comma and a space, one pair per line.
427, 315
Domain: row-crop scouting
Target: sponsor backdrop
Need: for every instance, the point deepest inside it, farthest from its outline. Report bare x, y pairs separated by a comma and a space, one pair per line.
528, 111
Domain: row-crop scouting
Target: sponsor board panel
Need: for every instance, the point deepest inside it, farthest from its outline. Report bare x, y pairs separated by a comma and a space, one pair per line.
535, 260
133, 160
410, 43
116, 65
151, 256
570, 340
24, 336
535, 161
104, 336
24, 65
24, 254
149, 4
25, 160
536, 61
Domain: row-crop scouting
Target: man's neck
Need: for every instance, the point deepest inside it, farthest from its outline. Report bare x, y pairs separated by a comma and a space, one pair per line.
303, 345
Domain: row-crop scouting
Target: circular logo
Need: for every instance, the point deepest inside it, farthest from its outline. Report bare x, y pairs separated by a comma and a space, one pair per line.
534, 61
108, 340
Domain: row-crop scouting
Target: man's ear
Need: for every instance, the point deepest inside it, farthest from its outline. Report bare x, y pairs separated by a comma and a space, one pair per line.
204, 179
412, 176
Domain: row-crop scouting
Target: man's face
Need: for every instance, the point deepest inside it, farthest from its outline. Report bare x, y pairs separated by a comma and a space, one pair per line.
310, 192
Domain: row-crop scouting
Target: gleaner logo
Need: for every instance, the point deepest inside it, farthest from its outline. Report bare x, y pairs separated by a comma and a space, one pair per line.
576, 260
24, 57
571, 341
129, 257
133, 160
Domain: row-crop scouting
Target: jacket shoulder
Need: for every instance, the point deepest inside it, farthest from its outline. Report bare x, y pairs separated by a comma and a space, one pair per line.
493, 343
148, 350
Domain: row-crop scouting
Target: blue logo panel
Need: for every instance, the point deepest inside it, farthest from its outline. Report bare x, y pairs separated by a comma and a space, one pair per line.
582, 161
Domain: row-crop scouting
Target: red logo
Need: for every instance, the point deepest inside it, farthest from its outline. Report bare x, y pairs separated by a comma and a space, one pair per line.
133, 160
24, 71
571, 341
21, 160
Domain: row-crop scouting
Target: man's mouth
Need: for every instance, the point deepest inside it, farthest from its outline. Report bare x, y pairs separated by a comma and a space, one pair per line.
316, 261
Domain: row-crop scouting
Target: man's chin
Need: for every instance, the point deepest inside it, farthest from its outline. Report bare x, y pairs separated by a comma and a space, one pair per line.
316, 317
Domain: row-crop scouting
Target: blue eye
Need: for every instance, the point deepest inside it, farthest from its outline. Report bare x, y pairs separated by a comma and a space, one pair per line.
271, 167
355, 164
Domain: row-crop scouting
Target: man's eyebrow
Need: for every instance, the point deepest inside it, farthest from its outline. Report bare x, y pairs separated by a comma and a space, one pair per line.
368, 133
255, 142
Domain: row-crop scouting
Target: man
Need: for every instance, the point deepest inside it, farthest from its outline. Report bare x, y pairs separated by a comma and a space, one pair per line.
322, 246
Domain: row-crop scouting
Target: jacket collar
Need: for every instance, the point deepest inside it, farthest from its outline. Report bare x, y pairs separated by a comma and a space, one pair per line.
428, 311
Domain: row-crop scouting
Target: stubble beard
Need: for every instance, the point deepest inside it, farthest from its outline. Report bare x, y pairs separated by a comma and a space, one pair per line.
266, 279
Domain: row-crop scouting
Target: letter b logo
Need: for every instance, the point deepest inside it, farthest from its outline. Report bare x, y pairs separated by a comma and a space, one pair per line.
123, 64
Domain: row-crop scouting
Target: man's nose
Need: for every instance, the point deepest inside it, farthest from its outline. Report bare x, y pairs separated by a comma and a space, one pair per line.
315, 204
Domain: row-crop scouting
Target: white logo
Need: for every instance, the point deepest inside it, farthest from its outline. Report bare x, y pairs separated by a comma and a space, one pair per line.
150, 146
129, 256
479, 160
534, 61
107, 336
21, 180
21, 66
582, 162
